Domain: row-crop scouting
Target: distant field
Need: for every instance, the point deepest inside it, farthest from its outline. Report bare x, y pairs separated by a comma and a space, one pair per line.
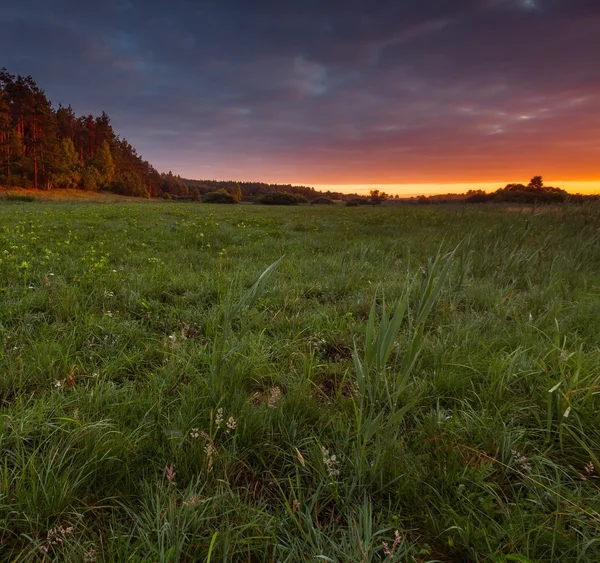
156, 406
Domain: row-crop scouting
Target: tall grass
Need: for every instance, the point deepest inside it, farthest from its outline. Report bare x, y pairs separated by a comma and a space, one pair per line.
414, 385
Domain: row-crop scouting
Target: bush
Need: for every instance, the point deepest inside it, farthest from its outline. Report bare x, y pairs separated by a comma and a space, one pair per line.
300, 198
478, 198
220, 196
277, 198
352, 203
527, 197
166, 195
322, 201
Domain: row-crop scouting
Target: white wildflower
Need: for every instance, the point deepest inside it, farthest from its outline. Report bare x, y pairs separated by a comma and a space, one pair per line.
331, 462
231, 424
521, 461
274, 397
219, 418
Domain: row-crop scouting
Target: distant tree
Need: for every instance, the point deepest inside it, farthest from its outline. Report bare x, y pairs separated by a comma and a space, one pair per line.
195, 194
377, 197
219, 196
174, 185
536, 183
238, 194
276, 198
104, 164
322, 201
91, 179
360, 200
130, 182
68, 170
534, 192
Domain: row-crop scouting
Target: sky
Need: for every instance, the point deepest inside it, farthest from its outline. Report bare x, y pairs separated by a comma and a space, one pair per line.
416, 95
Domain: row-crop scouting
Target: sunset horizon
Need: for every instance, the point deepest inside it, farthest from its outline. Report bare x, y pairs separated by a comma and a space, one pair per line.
429, 93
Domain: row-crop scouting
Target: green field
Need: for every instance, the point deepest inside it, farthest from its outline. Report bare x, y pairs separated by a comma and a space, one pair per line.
433, 371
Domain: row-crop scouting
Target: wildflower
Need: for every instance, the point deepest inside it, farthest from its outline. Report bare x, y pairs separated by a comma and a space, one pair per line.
90, 556
170, 475
56, 536
521, 461
231, 424
331, 462
193, 500
219, 418
588, 471
295, 506
274, 396
58, 384
194, 433
390, 551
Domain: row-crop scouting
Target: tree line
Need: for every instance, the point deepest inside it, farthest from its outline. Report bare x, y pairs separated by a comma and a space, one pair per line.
185, 188
44, 147
533, 192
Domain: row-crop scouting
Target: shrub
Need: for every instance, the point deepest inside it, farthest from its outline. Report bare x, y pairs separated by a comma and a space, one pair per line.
322, 201
300, 198
277, 198
220, 196
167, 195
478, 198
352, 203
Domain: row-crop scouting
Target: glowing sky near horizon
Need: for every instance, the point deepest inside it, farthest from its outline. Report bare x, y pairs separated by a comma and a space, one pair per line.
336, 93
410, 190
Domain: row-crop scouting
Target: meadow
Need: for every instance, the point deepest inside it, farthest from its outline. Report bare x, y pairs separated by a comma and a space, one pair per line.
190, 382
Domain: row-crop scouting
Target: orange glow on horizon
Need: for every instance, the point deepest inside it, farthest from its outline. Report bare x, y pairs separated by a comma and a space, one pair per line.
590, 187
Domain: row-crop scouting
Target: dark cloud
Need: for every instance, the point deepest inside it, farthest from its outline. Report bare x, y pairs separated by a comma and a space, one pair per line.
333, 91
